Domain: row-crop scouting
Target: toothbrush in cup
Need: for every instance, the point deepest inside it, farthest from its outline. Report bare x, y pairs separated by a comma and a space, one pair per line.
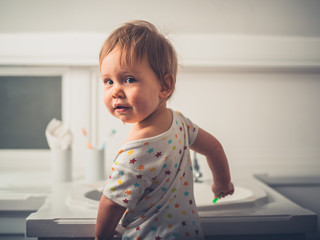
84, 132
112, 133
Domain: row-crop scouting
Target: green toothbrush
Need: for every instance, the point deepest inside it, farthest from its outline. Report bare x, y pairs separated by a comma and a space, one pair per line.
216, 199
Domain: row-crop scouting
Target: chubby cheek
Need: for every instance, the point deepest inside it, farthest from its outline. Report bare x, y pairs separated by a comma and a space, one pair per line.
145, 103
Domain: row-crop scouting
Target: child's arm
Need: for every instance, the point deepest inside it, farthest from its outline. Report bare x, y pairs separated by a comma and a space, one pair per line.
109, 215
209, 146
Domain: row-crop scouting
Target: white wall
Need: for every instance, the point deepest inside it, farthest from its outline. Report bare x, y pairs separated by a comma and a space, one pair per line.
251, 72
267, 122
248, 17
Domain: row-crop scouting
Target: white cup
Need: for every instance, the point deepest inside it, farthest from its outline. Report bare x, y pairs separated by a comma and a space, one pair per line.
94, 165
61, 165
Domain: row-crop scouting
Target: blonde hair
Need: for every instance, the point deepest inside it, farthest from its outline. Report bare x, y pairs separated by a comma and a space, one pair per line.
139, 39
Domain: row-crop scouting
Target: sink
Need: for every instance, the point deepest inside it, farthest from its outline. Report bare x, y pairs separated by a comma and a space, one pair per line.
94, 195
85, 196
243, 196
204, 196
254, 209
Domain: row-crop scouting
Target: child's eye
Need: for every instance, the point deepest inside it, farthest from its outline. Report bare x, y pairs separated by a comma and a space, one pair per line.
130, 80
108, 82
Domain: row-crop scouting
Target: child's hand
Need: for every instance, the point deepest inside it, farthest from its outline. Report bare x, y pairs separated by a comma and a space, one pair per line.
222, 190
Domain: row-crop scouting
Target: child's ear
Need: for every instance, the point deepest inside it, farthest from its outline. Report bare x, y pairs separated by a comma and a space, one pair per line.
167, 86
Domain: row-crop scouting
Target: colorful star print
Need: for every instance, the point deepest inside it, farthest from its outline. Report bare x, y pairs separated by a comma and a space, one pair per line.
146, 179
132, 161
128, 192
141, 167
130, 152
158, 154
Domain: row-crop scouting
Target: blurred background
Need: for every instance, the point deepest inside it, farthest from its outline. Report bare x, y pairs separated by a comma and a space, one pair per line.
249, 74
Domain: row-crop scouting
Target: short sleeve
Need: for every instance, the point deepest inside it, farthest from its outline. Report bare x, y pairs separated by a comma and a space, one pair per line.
130, 176
192, 129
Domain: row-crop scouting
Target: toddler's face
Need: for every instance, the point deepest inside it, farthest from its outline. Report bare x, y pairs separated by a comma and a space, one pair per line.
131, 93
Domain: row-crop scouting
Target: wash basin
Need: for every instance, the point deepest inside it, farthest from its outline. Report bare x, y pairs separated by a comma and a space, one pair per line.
254, 209
243, 196
94, 195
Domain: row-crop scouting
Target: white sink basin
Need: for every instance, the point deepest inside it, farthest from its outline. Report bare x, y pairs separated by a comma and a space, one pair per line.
248, 195
88, 196
94, 195
254, 208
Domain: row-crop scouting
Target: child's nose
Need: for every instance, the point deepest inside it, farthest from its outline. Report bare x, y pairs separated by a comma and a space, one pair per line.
117, 91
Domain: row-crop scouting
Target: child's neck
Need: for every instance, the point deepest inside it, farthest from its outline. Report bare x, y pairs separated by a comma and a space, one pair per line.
156, 123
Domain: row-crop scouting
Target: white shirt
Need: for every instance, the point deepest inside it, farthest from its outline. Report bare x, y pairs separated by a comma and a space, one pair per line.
153, 179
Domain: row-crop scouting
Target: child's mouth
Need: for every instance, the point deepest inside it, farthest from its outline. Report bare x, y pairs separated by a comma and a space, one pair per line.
121, 108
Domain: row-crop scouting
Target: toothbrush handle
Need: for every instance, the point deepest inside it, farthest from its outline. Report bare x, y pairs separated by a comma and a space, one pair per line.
216, 199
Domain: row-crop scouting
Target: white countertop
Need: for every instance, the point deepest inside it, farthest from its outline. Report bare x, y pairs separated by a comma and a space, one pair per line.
58, 218
54, 215
23, 190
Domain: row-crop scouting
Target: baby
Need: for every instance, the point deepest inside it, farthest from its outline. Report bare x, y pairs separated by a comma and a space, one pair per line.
151, 182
